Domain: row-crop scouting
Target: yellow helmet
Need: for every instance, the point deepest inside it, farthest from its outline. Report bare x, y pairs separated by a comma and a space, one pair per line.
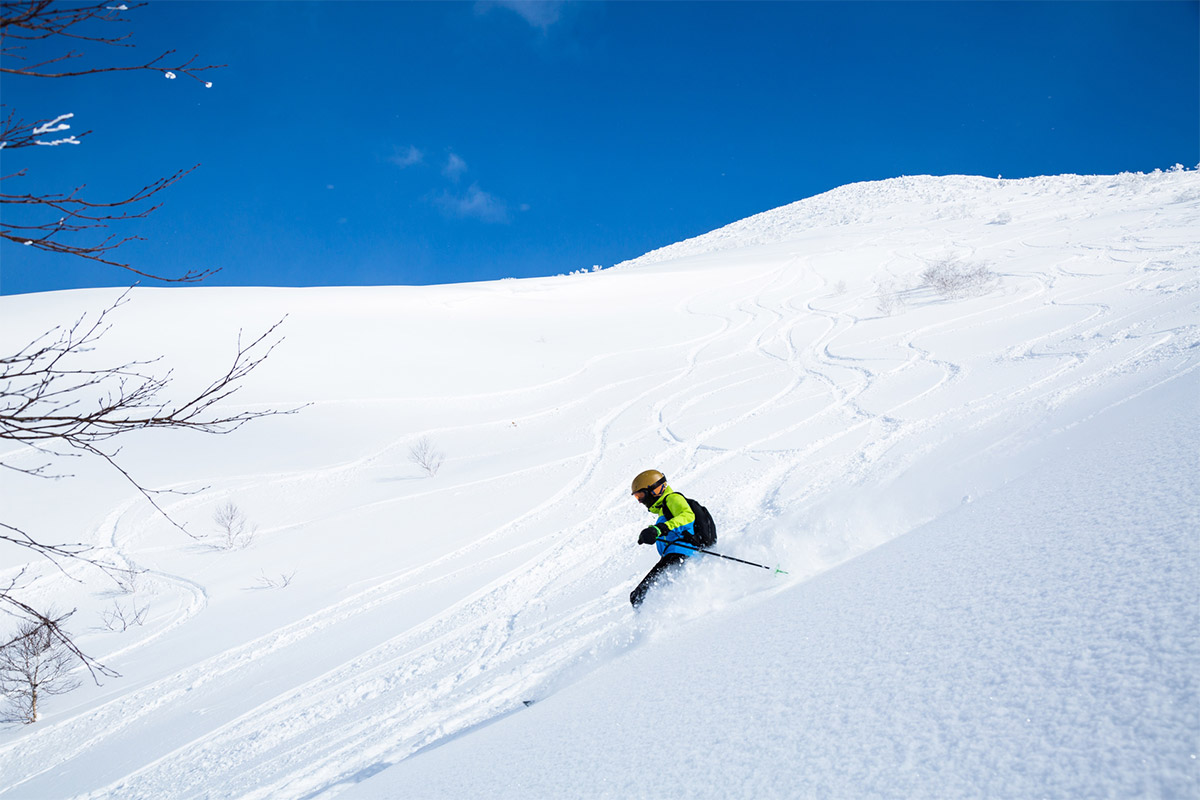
645, 484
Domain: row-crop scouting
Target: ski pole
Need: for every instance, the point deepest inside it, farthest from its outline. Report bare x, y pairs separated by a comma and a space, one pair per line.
778, 571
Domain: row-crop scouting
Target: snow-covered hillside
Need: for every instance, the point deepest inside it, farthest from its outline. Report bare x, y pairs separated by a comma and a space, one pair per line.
986, 498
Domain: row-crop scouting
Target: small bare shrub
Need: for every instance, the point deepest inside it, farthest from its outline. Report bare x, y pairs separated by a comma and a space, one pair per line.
953, 279
121, 618
890, 300
885, 303
426, 456
34, 664
129, 580
272, 582
234, 531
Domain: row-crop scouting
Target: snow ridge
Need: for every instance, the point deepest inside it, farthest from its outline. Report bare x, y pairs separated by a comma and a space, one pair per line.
916, 200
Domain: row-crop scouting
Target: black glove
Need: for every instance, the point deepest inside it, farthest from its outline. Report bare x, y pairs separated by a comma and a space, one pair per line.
649, 535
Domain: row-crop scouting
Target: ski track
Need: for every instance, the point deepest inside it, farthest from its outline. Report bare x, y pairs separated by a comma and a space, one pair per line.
523, 630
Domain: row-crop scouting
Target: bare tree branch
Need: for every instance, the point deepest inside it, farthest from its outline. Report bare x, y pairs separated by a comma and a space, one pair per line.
34, 665
56, 402
47, 401
35, 20
52, 622
53, 401
17, 133
72, 214
61, 222
45, 396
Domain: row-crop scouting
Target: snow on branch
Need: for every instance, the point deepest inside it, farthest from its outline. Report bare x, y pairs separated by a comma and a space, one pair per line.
15, 133
55, 126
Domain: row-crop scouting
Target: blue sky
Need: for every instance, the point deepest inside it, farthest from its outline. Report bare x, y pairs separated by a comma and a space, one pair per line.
353, 143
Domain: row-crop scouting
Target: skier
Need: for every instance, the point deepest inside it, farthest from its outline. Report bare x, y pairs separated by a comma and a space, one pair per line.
676, 522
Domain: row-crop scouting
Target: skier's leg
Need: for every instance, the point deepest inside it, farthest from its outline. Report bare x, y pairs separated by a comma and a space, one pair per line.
665, 564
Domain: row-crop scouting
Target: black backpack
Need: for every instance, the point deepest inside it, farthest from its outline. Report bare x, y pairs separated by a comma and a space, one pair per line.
704, 527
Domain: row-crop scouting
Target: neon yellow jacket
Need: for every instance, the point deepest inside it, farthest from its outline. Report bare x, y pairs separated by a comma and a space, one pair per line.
677, 521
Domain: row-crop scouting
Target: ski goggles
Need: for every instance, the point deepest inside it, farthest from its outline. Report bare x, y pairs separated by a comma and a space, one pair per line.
642, 494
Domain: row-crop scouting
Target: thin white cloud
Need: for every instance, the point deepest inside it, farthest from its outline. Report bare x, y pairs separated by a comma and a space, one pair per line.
541, 14
455, 167
406, 156
474, 203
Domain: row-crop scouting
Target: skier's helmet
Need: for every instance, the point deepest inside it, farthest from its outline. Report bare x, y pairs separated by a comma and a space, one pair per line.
647, 485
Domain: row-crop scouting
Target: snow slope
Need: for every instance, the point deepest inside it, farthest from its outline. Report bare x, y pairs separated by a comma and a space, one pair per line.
1039, 642
986, 505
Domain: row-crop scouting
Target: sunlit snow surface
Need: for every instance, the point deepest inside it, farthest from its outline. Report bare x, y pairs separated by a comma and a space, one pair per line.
987, 506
